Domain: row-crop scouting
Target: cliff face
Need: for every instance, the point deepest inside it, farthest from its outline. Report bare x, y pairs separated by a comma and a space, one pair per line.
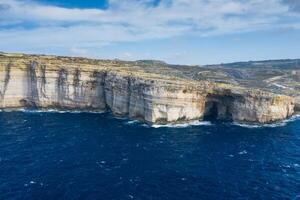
128, 90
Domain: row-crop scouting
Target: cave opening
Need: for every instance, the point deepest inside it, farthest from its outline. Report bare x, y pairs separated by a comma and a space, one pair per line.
218, 108
211, 111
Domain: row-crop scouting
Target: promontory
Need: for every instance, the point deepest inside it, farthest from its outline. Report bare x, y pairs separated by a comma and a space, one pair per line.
152, 91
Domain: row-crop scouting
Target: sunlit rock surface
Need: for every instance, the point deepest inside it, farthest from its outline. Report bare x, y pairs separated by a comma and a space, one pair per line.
156, 94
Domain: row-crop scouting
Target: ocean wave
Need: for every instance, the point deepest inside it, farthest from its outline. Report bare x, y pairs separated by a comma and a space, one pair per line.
63, 111
179, 125
51, 111
133, 122
271, 125
183, 125
13, 110
243, 152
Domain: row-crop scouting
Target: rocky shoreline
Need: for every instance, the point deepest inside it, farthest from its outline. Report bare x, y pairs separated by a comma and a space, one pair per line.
131, 89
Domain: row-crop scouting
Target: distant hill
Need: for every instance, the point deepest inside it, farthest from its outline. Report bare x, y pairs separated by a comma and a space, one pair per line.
284, 63
151, 62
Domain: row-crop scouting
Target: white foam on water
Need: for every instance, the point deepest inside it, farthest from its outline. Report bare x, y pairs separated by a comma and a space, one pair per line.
51, 111
293, 118
69, 111
13, 110
183, 125
271, 125
243, 152
146, 125
133, 122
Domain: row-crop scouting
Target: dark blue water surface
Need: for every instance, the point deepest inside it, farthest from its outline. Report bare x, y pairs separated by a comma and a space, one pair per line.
96, 156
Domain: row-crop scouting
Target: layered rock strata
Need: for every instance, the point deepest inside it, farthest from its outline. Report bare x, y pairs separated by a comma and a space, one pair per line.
49, 82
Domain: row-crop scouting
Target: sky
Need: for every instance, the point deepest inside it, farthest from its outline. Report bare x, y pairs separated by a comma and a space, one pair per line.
192, 32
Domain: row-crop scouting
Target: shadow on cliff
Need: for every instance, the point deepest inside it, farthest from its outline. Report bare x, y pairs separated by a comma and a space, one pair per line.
218, 108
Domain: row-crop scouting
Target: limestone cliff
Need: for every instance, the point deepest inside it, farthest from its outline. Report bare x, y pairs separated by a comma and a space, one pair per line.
130, 89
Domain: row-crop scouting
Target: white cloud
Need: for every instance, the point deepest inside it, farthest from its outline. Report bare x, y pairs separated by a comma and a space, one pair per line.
77, 31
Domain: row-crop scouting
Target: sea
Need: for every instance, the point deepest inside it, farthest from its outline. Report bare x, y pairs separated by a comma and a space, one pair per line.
76, 155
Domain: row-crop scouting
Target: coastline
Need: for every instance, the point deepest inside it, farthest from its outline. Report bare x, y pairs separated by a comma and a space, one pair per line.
133, 90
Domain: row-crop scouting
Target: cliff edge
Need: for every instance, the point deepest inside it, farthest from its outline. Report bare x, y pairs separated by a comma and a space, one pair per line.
152, 92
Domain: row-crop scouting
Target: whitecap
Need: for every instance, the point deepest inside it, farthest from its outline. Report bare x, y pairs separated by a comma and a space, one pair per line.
50, 111
293, 118
243, 152
246, 125
286, 166
132, 122
145, 125
183, 125
13, 110
71, 111
271, 125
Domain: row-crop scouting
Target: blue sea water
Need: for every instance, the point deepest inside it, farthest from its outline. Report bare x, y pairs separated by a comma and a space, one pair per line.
96, 156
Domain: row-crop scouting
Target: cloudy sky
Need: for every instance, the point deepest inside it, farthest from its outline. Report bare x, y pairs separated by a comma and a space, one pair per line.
177, 31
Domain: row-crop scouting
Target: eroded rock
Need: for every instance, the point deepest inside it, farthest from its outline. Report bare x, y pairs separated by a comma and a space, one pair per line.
128, 90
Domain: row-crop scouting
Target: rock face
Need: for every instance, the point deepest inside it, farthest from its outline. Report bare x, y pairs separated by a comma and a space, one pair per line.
48, 82
251, 106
